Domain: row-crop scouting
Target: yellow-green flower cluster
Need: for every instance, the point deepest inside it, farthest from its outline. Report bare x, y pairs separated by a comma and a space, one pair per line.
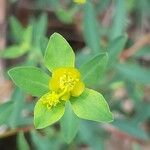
65, 82
80, 1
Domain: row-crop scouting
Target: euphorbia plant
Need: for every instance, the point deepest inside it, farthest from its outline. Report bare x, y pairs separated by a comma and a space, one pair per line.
67, 86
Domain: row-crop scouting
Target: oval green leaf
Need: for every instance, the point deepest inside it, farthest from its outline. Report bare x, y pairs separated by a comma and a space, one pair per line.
58, 53
44, 117
30, 79
13, 52
97, 67
91, 105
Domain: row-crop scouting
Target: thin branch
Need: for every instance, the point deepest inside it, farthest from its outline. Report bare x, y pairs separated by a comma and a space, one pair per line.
15, 131
143, 41
123, 135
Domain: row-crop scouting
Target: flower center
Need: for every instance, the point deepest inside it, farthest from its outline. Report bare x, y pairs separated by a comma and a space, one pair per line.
67, 81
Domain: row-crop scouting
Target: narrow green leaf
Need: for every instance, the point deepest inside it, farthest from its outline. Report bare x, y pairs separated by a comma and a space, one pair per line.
44, 117
142, 112
119, 22
83, 56
30, 79
50, 141
69, 124
21, 142
5, 111
115, 47
13, 52
18, 99
39, 29
130, 128
58, 53
16, 29
101, 6
134, 73
94, 130
43, 44
93, 70
91, 32
91, 105
27, 37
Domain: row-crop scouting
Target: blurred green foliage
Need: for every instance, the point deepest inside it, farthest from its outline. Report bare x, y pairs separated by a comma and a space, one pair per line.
30, 42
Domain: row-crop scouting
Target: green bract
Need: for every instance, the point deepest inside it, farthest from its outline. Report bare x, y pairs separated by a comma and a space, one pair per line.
89, 105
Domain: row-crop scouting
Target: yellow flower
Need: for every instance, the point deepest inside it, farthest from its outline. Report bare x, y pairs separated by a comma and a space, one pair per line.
80, 1
65, 82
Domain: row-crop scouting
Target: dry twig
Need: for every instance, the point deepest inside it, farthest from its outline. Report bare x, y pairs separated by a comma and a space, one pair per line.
145, 40
15, 131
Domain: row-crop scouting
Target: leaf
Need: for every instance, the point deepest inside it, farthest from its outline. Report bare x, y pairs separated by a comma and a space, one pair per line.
66, 15
27, 37
93, 70
90, 26
91, 105
130, 128
30, 79
142, 112
44, 117
83, 56
5, 111
43, 44
115, 47
69, 124
94, 130
21, 142
16, 29
101, 6
18, 99
39, 29
134, 73
58, 53
119, 22
49, 142
13, 52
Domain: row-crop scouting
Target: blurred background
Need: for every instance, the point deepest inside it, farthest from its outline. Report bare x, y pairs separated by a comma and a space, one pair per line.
119, 27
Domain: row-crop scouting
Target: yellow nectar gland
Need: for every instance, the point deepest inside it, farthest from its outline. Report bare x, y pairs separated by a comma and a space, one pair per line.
65, 82
50, 99
80, 1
